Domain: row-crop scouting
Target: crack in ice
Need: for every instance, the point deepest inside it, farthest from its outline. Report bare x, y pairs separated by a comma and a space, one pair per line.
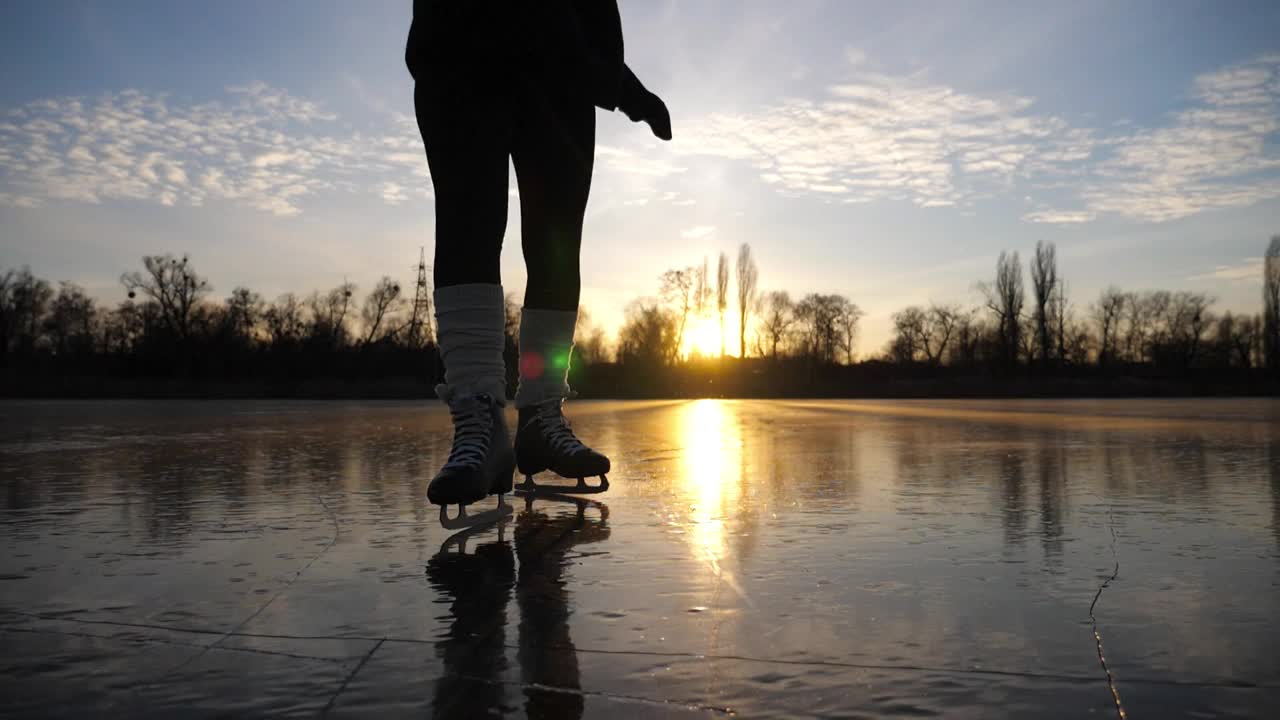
1097, 637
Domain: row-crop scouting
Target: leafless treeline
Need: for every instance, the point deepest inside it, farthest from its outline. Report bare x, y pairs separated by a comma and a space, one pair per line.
818, 327
1174, 330
171, 324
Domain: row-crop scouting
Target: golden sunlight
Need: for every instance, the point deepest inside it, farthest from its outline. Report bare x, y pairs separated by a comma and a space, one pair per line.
702, 337
710, 446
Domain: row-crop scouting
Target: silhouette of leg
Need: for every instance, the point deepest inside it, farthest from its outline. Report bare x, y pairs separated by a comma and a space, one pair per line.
466, 124
553, 150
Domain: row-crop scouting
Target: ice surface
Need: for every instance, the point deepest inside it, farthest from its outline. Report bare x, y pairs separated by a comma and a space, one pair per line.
764, 558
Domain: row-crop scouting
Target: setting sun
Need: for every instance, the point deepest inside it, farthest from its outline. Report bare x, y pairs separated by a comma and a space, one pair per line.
702, 337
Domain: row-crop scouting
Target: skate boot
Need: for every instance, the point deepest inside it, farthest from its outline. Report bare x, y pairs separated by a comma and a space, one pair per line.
544, 441
480, 463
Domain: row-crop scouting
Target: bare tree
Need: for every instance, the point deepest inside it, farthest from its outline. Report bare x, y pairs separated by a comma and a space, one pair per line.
121, 329
1004, 300
1248, 341
939, 326
70, 321
1074, 341
1238, 340
648, 335
591, 346
329, 314
173, 285
24, 302
285, 322
380, 307
748, 275
244, 311
701, 290
1062, 317
1188, 318
921, 333
722, 293
8, 316
776, 318
1107, 313
847, 316
1271, 306
821, 325
908, 330
1159, 332
1044, 282
679, 289
969, 334
1137, 326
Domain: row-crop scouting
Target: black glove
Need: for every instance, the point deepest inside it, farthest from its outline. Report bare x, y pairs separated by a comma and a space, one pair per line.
635, 100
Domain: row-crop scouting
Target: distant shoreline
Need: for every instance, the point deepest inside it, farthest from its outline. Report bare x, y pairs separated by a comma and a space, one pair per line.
410, 388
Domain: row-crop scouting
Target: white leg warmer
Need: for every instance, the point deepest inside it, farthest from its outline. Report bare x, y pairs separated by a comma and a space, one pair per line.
546, 342
470, 320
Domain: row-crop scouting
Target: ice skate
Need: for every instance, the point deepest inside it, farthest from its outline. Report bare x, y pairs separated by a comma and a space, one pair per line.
544, 441
480, 463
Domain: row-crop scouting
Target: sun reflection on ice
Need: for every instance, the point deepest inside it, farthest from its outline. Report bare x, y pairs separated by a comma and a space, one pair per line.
711, 447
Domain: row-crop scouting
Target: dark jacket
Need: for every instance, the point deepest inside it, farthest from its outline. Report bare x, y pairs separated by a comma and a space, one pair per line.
584, 37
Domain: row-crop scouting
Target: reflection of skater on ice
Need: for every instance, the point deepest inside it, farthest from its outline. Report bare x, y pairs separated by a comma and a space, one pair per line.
519, 83
479, 585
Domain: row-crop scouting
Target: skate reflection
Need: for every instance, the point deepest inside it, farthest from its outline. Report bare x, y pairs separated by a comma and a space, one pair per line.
479, 584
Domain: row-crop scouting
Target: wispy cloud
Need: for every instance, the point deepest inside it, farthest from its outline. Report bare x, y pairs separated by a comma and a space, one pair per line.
1212, 155
632, 162
1248, 271
256, 146
1059, 217
698, 232
879, 136
871, 137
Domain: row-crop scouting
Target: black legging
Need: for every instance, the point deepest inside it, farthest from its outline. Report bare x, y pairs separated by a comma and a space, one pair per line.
476, 111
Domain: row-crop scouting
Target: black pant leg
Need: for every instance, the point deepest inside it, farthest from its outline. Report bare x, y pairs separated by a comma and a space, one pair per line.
464, 115
553, 150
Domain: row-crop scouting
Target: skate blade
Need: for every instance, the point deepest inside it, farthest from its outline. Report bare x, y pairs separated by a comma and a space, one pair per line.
465, 520
529, 487
457, 542
581, 503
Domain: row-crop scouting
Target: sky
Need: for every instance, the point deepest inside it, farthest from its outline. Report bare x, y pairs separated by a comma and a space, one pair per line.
884, 151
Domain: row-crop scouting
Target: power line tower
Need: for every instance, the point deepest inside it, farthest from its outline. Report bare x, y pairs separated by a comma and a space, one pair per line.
421, 325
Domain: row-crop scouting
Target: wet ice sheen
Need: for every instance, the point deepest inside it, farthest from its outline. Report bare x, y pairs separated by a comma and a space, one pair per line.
789, 559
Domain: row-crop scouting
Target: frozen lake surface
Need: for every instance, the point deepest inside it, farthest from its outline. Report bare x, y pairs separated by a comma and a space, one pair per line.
786, 559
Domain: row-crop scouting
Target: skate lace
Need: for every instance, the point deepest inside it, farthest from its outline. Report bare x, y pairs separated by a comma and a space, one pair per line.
555, 428
472, 423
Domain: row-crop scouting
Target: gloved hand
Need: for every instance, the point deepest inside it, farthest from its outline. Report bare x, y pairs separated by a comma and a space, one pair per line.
640, 105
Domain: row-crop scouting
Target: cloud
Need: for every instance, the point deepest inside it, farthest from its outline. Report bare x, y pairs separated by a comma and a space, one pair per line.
884, 137
1218, 153
631, 162
870, 137
698, 232
21, 201
1059, 217
1248, 271
256, 146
